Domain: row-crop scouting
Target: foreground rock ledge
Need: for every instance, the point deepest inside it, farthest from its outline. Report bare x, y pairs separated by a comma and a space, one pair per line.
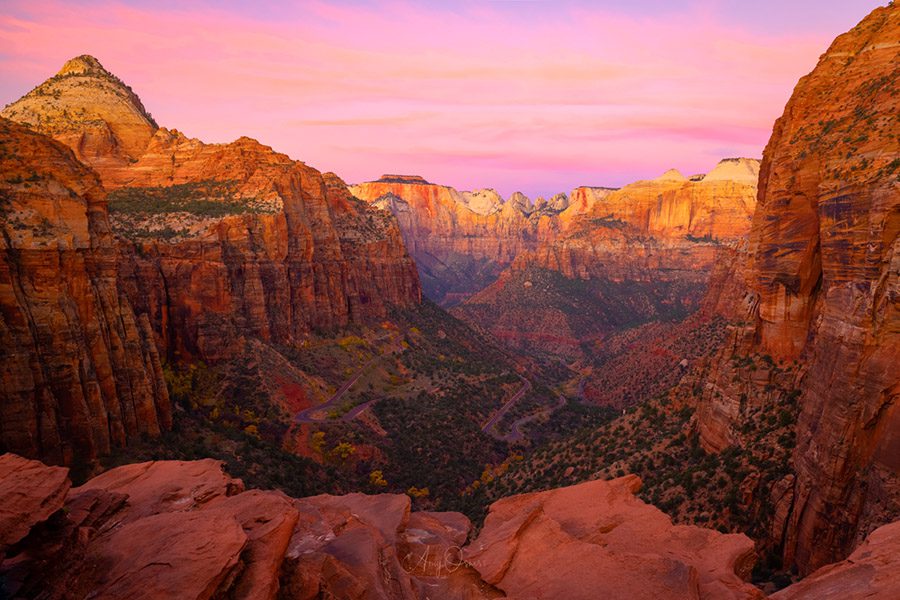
172, 529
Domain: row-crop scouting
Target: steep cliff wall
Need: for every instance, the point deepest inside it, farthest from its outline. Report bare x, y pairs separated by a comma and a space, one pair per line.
822, 290
287, 252
80, 372
222, 240
626, 256
463, 241
460, 241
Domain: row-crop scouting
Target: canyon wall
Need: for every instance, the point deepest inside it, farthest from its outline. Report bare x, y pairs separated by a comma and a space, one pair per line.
462, 241
619, 258
194, 247
821, 296
80, 372
220, 241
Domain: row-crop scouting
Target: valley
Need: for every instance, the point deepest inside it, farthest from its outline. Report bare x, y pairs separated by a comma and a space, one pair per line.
680, 387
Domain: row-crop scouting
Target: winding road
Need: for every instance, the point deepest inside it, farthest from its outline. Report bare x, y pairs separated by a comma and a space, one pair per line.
492, 422
319, 413
309, 415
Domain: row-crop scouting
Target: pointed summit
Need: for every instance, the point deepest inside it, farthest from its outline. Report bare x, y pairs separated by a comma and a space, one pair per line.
90, 110
82, 65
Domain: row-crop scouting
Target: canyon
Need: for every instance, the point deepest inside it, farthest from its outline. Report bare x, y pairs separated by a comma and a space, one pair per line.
463, 241
196, 247
287, 386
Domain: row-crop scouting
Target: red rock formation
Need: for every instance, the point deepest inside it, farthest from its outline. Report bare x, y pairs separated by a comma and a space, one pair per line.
872, 571
596, 540
222, 241
461, 241
29, 493
319, 259
823, 289
80, 372
187, 530
89, 110
640, 253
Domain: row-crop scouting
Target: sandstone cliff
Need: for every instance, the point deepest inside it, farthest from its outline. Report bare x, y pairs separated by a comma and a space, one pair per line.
640, 253
80, 372
220, 241
821, 289
91, 111
463, 241
460, 241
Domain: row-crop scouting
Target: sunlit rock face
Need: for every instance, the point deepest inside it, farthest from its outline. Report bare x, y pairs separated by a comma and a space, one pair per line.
80, 370
821, 287
220, 241
462, 241
619, 258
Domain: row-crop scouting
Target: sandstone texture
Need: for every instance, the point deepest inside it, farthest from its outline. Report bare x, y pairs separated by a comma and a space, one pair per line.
640, 253
463, 240
29, 493
89, 110
80, 372
460, 241
188, 530
820, 287
222, 241
599, 541
870, 572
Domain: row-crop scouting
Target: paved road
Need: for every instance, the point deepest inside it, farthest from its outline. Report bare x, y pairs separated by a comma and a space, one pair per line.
308, 415
492, 422
515, 432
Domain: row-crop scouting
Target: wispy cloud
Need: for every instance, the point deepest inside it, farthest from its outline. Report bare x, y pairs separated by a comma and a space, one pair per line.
550, 95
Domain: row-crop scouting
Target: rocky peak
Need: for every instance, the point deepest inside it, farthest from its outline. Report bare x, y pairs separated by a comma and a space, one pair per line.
521, 201
90, 110
559, 201
83, 65
483, 202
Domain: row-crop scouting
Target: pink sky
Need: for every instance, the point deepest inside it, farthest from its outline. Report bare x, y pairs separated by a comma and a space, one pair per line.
531, 96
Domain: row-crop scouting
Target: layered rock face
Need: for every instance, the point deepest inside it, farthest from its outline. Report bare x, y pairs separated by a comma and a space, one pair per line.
462, 241
80, 372
627, 256
187, 529
310, 257
89, 110
822, 289
221, 241
870, 572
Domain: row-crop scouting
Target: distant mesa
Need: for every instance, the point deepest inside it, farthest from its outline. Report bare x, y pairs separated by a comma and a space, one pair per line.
406, 179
